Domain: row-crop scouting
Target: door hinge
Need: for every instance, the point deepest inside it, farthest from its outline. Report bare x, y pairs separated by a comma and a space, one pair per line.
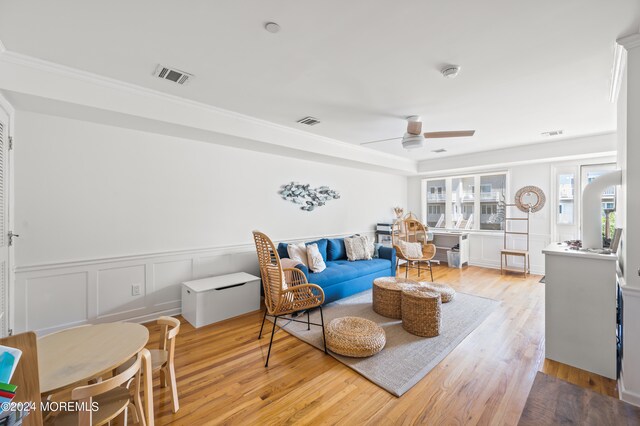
10, 143
11, 236
11, 332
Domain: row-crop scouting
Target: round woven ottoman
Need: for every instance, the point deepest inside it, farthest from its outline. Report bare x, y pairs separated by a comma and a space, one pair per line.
355, 337
446, 293
421, 311
387, 295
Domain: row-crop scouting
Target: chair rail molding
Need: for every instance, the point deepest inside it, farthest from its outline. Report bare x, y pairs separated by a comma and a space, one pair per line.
102, 290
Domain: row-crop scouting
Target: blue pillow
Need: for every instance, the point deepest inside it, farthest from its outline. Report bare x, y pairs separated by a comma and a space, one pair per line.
282, 251
336, 249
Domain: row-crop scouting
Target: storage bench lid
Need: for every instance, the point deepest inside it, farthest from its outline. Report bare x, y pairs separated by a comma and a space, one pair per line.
219, 281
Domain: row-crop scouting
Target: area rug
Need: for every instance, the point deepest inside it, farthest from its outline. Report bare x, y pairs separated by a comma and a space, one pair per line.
406, 358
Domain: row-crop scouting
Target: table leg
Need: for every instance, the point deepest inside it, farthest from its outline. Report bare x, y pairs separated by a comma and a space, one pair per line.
148, 387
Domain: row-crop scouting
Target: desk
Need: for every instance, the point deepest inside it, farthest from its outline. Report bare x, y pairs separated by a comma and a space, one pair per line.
83, 353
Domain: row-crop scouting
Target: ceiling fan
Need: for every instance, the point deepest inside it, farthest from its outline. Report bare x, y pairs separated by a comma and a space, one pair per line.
414, 138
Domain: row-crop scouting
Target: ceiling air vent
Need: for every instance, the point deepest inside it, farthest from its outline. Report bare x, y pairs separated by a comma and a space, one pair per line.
309, 121
439, 151
553, 133
172, 74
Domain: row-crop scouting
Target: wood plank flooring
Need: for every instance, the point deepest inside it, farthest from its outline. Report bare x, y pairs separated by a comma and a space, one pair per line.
553, 401
485, 380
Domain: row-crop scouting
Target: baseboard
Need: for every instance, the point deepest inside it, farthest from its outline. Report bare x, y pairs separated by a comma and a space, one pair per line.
492, 265
627, 395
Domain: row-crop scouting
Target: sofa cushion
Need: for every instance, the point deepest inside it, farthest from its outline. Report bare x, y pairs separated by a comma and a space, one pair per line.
344, 270
322, 248
336, 249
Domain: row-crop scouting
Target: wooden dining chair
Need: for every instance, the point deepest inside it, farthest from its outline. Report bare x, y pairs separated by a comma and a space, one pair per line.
162, 359
111, 398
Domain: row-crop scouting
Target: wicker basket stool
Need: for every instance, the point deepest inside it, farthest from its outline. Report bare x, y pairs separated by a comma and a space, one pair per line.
446, 293
387, 295
421, 311
355, 337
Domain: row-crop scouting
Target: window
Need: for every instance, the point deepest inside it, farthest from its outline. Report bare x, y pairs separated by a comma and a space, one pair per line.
492, 191
608, 201
566, 190
465, 202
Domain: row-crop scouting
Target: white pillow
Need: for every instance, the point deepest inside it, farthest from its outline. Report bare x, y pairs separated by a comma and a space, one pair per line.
411, 250
298, 252
316, 262
358, 248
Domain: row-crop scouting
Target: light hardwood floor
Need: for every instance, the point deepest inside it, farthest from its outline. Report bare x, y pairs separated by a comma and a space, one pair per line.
485, 380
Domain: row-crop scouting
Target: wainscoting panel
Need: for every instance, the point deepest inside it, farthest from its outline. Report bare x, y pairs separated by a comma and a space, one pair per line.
165, 276
485, 250
50, 297
55, 299
115, 293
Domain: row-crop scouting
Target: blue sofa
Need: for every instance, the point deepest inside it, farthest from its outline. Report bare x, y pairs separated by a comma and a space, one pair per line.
342, 277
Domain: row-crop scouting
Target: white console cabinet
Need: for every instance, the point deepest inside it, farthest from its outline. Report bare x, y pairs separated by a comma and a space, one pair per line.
580, 309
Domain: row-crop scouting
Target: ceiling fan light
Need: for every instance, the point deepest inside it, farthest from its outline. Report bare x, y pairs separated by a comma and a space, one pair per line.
410, 141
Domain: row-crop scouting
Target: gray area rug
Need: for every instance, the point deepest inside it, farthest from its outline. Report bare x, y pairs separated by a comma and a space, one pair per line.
406, 358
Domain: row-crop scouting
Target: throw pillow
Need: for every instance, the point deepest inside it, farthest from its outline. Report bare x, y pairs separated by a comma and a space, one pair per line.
376, 250
316, 262
411, 250
298, 252
357, 248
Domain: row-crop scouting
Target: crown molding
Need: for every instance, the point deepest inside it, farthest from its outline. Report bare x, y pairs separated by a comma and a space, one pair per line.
355, 151
630, 42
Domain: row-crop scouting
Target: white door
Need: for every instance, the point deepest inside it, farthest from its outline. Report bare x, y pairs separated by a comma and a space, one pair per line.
6, 250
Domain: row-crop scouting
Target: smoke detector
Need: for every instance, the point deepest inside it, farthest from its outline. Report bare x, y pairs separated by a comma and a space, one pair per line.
450, 71
172, 74
272, 27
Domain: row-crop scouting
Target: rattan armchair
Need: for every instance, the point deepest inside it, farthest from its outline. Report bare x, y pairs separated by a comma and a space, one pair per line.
286, 290
411, 230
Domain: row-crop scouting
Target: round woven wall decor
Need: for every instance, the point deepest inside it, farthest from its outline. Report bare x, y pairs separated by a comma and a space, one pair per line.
524, 200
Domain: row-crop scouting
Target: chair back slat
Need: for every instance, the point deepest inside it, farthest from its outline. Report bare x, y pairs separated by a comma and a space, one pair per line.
270, 270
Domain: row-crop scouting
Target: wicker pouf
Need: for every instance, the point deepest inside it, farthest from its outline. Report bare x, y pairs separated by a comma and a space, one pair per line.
421, 311
446, 293
355, 337
387, 295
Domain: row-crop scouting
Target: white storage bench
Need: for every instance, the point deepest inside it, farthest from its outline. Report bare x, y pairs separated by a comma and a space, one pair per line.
214, 299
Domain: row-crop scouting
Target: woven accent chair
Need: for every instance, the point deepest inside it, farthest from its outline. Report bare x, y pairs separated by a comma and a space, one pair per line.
286, 290
411, 230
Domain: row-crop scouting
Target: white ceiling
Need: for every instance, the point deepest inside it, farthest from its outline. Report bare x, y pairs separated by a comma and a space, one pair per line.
360, 66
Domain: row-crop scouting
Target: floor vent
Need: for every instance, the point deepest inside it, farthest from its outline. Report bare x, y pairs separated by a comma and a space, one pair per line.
309, 121
172, 74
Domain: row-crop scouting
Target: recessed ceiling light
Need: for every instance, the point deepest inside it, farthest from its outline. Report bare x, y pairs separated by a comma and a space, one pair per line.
450, 71
552, 133
439, 151
272, 27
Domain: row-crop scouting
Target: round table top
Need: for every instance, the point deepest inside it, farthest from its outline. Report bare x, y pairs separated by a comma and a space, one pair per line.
82, 353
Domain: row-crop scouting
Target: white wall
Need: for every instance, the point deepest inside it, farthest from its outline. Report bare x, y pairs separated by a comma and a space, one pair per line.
100, 208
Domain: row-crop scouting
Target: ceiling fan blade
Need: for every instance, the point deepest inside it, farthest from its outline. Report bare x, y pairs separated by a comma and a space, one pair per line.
381, 140
414, 127
450, 134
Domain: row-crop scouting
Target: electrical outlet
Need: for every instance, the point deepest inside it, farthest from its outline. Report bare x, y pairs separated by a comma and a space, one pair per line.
135, 289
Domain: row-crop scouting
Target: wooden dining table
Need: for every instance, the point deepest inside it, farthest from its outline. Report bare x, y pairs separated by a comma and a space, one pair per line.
74, 356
